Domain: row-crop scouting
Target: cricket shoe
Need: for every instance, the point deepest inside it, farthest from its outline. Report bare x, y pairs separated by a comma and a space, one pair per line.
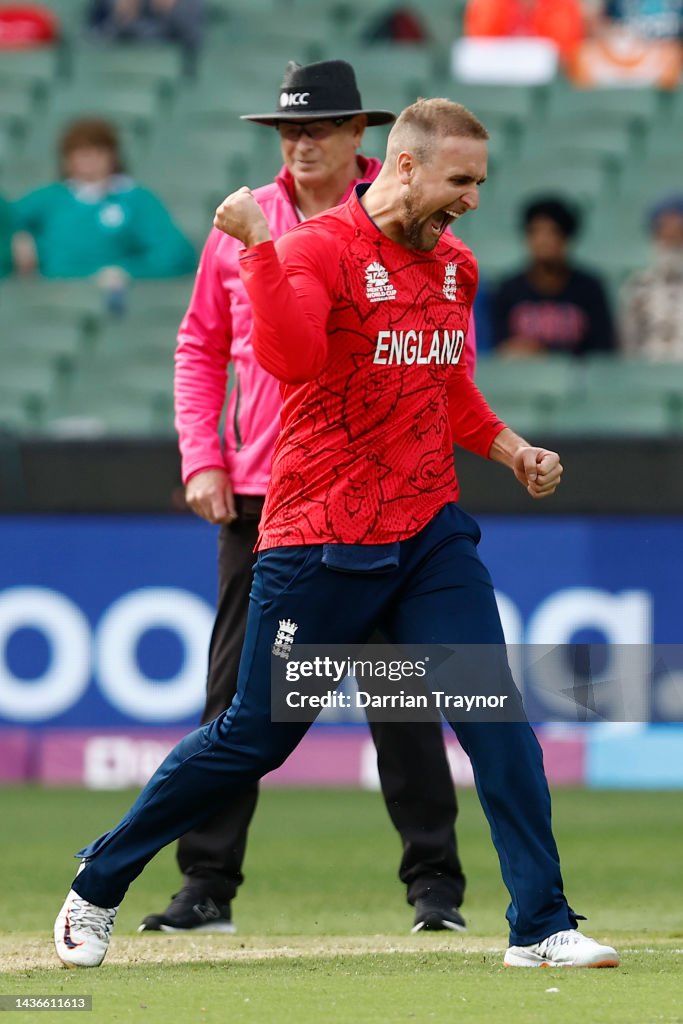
563, 949
193, 909
436, 915
83, 931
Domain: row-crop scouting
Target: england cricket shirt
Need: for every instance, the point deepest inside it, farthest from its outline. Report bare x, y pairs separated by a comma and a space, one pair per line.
367, 338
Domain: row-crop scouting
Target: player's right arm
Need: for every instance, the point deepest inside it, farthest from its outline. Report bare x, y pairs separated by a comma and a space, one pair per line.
201, 365
287, 288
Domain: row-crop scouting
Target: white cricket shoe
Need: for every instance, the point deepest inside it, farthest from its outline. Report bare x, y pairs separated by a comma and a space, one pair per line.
563, 949
82, 932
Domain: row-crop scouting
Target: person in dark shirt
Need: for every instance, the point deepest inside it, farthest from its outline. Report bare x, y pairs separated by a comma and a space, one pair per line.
552, 306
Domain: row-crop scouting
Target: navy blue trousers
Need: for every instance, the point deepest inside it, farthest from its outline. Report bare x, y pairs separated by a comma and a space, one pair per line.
440, 592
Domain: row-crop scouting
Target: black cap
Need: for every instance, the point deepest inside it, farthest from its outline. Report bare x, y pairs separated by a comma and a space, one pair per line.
321, 91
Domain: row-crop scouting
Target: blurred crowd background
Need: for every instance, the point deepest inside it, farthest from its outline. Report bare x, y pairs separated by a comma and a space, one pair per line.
120, 133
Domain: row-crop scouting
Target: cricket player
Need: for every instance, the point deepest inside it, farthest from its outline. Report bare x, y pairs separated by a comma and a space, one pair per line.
320, 119
362, 316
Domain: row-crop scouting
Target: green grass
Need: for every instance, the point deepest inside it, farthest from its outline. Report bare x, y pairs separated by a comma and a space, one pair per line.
323, 923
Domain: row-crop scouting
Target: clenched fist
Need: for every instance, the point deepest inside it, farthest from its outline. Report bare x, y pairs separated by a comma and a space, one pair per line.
241, 216
538, 469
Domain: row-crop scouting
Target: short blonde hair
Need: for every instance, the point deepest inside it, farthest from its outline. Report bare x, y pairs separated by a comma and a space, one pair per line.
425, 120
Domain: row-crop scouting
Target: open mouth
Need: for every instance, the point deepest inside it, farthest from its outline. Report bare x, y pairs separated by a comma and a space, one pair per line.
443, 219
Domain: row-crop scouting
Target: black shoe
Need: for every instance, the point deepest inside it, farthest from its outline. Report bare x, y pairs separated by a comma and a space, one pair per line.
433, 914
192, 909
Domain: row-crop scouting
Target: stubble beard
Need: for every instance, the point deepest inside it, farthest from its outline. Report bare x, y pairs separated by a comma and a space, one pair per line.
414, 229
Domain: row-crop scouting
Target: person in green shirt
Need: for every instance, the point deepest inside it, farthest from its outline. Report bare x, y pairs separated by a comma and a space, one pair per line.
97, 220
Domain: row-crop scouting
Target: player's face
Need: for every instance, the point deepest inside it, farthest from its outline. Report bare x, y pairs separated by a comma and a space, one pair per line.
317, 152
442, 188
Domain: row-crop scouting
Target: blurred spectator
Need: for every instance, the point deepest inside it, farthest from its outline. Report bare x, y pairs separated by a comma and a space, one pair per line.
649, 19
518, 42
481, 313
5, 238
634, 42
652, 299
97, 220
552, 306
128, 21
560, 21
26, 25
397, 25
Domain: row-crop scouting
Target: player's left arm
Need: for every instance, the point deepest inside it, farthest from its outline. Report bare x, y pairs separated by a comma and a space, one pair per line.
476, 427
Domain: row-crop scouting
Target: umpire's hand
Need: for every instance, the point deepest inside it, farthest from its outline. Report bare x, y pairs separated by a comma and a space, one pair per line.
241, 216
209, 494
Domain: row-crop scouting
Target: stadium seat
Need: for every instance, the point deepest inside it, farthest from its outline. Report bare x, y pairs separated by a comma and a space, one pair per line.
71, 14
519, 181
634, 107
193, 209
160, 302
59, 344
130, 107
146, 378
216, 101
609, 415
222, 10
306, 38
160, 67
265, 69
130, 338
543, 380
16, 108
525, 392
32, 69
392, 75
613, 241
517, 103
596, 145
39, 300
498, 257
28, 381
19, 413
636, 380
111, 412
6, 151
646, 181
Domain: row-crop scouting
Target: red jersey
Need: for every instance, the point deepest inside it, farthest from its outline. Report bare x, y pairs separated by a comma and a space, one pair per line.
367, 338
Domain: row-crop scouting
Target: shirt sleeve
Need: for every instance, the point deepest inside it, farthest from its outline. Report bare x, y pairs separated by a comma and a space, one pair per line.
160, 248
28, 213
473, 423
201, 361
291, 300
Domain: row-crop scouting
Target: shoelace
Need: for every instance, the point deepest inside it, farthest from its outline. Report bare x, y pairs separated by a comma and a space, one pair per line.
99, 920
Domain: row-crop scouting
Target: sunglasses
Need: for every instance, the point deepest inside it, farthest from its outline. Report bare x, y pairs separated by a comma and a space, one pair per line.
316, 130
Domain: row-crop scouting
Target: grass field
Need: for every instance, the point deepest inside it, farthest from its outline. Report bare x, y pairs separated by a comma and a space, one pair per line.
323, 927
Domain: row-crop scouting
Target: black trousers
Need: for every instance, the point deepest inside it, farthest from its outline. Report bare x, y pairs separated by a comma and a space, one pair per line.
411, 757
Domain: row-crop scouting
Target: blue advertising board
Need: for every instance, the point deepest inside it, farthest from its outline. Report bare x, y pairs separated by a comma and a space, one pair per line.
105, 621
